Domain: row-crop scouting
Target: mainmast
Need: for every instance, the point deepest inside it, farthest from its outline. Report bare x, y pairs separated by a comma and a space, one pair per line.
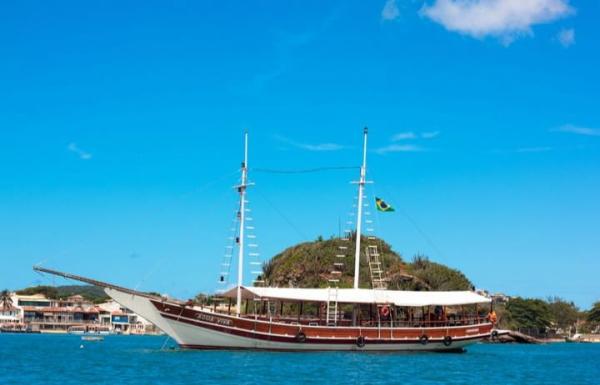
361, 186
242, 216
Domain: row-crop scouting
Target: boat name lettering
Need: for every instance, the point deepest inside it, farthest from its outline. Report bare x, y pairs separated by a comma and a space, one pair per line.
213, 319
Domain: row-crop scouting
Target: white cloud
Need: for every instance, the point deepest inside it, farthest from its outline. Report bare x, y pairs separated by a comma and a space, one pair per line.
430, 135
569, 128
390, 10
403, 136
399, 148
504, 19
411, 135
81, 153
320, 146
566, 37
313, 146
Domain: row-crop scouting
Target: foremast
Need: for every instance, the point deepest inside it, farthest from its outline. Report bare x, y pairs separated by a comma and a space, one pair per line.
361, 187
241, 188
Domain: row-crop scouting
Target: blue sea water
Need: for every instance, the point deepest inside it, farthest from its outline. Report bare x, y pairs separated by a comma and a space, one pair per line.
142, 360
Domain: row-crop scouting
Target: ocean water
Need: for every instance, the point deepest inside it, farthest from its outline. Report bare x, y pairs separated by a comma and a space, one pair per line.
143, 360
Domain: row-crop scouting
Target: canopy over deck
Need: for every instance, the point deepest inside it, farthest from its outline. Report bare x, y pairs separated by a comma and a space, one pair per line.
395, 297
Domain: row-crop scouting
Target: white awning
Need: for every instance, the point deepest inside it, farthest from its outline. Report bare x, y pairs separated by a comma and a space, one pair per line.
396, 297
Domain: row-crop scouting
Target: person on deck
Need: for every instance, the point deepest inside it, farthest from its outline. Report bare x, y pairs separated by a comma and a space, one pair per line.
492, 317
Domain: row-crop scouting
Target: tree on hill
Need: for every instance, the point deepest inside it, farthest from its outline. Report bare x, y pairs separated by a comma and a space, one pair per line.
564, 314
593, 316
528, 314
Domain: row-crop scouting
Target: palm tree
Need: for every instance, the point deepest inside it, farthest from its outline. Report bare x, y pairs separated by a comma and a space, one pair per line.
5, 299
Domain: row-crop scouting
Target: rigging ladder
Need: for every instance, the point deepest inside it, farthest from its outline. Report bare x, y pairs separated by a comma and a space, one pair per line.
332, 291
332, 306
375, 268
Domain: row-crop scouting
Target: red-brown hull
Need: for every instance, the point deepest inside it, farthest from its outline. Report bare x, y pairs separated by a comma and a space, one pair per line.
252, 333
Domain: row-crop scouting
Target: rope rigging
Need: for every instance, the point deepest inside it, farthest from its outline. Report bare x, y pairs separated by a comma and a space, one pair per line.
304, 171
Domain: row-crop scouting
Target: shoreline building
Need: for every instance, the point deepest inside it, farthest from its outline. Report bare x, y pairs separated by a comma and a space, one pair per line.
10, 315
123, 321
37, 313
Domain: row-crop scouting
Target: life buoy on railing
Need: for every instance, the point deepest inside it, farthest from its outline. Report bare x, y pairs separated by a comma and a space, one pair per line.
360, 341
301, 337
323, 306
494, 335
447, 340
384, 311
424, 339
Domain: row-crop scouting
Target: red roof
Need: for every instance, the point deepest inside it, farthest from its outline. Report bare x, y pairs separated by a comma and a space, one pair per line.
10, 308
58, 309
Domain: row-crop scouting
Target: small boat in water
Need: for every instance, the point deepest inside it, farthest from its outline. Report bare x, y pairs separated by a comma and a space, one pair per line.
92, 338
18, 329
331, 318
93, 330
584, 338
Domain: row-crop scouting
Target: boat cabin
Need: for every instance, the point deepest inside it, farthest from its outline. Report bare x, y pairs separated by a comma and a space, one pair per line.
359, 307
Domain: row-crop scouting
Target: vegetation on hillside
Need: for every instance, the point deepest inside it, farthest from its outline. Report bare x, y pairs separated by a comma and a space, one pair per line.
310, 264
93, 294
563, 314
538, 316
528, 314
593, 316
422, 274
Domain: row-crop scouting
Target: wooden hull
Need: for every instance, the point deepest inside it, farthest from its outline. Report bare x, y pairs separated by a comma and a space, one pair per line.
196, 328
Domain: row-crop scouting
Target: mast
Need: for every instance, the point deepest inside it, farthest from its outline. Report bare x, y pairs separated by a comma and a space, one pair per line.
361, 186
242, 216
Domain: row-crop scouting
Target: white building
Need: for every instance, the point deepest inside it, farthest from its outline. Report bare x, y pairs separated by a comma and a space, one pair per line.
124, 321
38, 313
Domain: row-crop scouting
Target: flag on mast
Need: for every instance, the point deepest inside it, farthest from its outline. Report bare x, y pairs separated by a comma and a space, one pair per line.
382, 206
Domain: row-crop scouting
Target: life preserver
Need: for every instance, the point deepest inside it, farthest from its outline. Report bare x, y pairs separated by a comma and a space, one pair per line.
384, 311
424, 339
323, 306
301, 337
494, 335
447, 340
360, 341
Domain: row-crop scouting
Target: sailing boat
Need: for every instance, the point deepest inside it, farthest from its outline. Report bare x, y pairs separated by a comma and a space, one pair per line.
346, 319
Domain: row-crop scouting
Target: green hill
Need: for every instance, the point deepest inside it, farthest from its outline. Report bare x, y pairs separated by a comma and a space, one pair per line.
94, 294
310, 264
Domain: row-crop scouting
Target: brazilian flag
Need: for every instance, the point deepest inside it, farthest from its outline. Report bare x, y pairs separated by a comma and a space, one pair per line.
382, 206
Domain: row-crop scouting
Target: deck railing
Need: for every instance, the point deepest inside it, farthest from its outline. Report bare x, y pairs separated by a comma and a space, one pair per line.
400, 323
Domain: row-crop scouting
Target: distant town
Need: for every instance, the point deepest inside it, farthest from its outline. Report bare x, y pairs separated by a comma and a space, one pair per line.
36, 313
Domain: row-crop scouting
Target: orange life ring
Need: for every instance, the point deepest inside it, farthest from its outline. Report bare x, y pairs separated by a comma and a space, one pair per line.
384, 311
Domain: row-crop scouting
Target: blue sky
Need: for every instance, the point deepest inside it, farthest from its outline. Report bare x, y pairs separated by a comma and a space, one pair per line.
121, 128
